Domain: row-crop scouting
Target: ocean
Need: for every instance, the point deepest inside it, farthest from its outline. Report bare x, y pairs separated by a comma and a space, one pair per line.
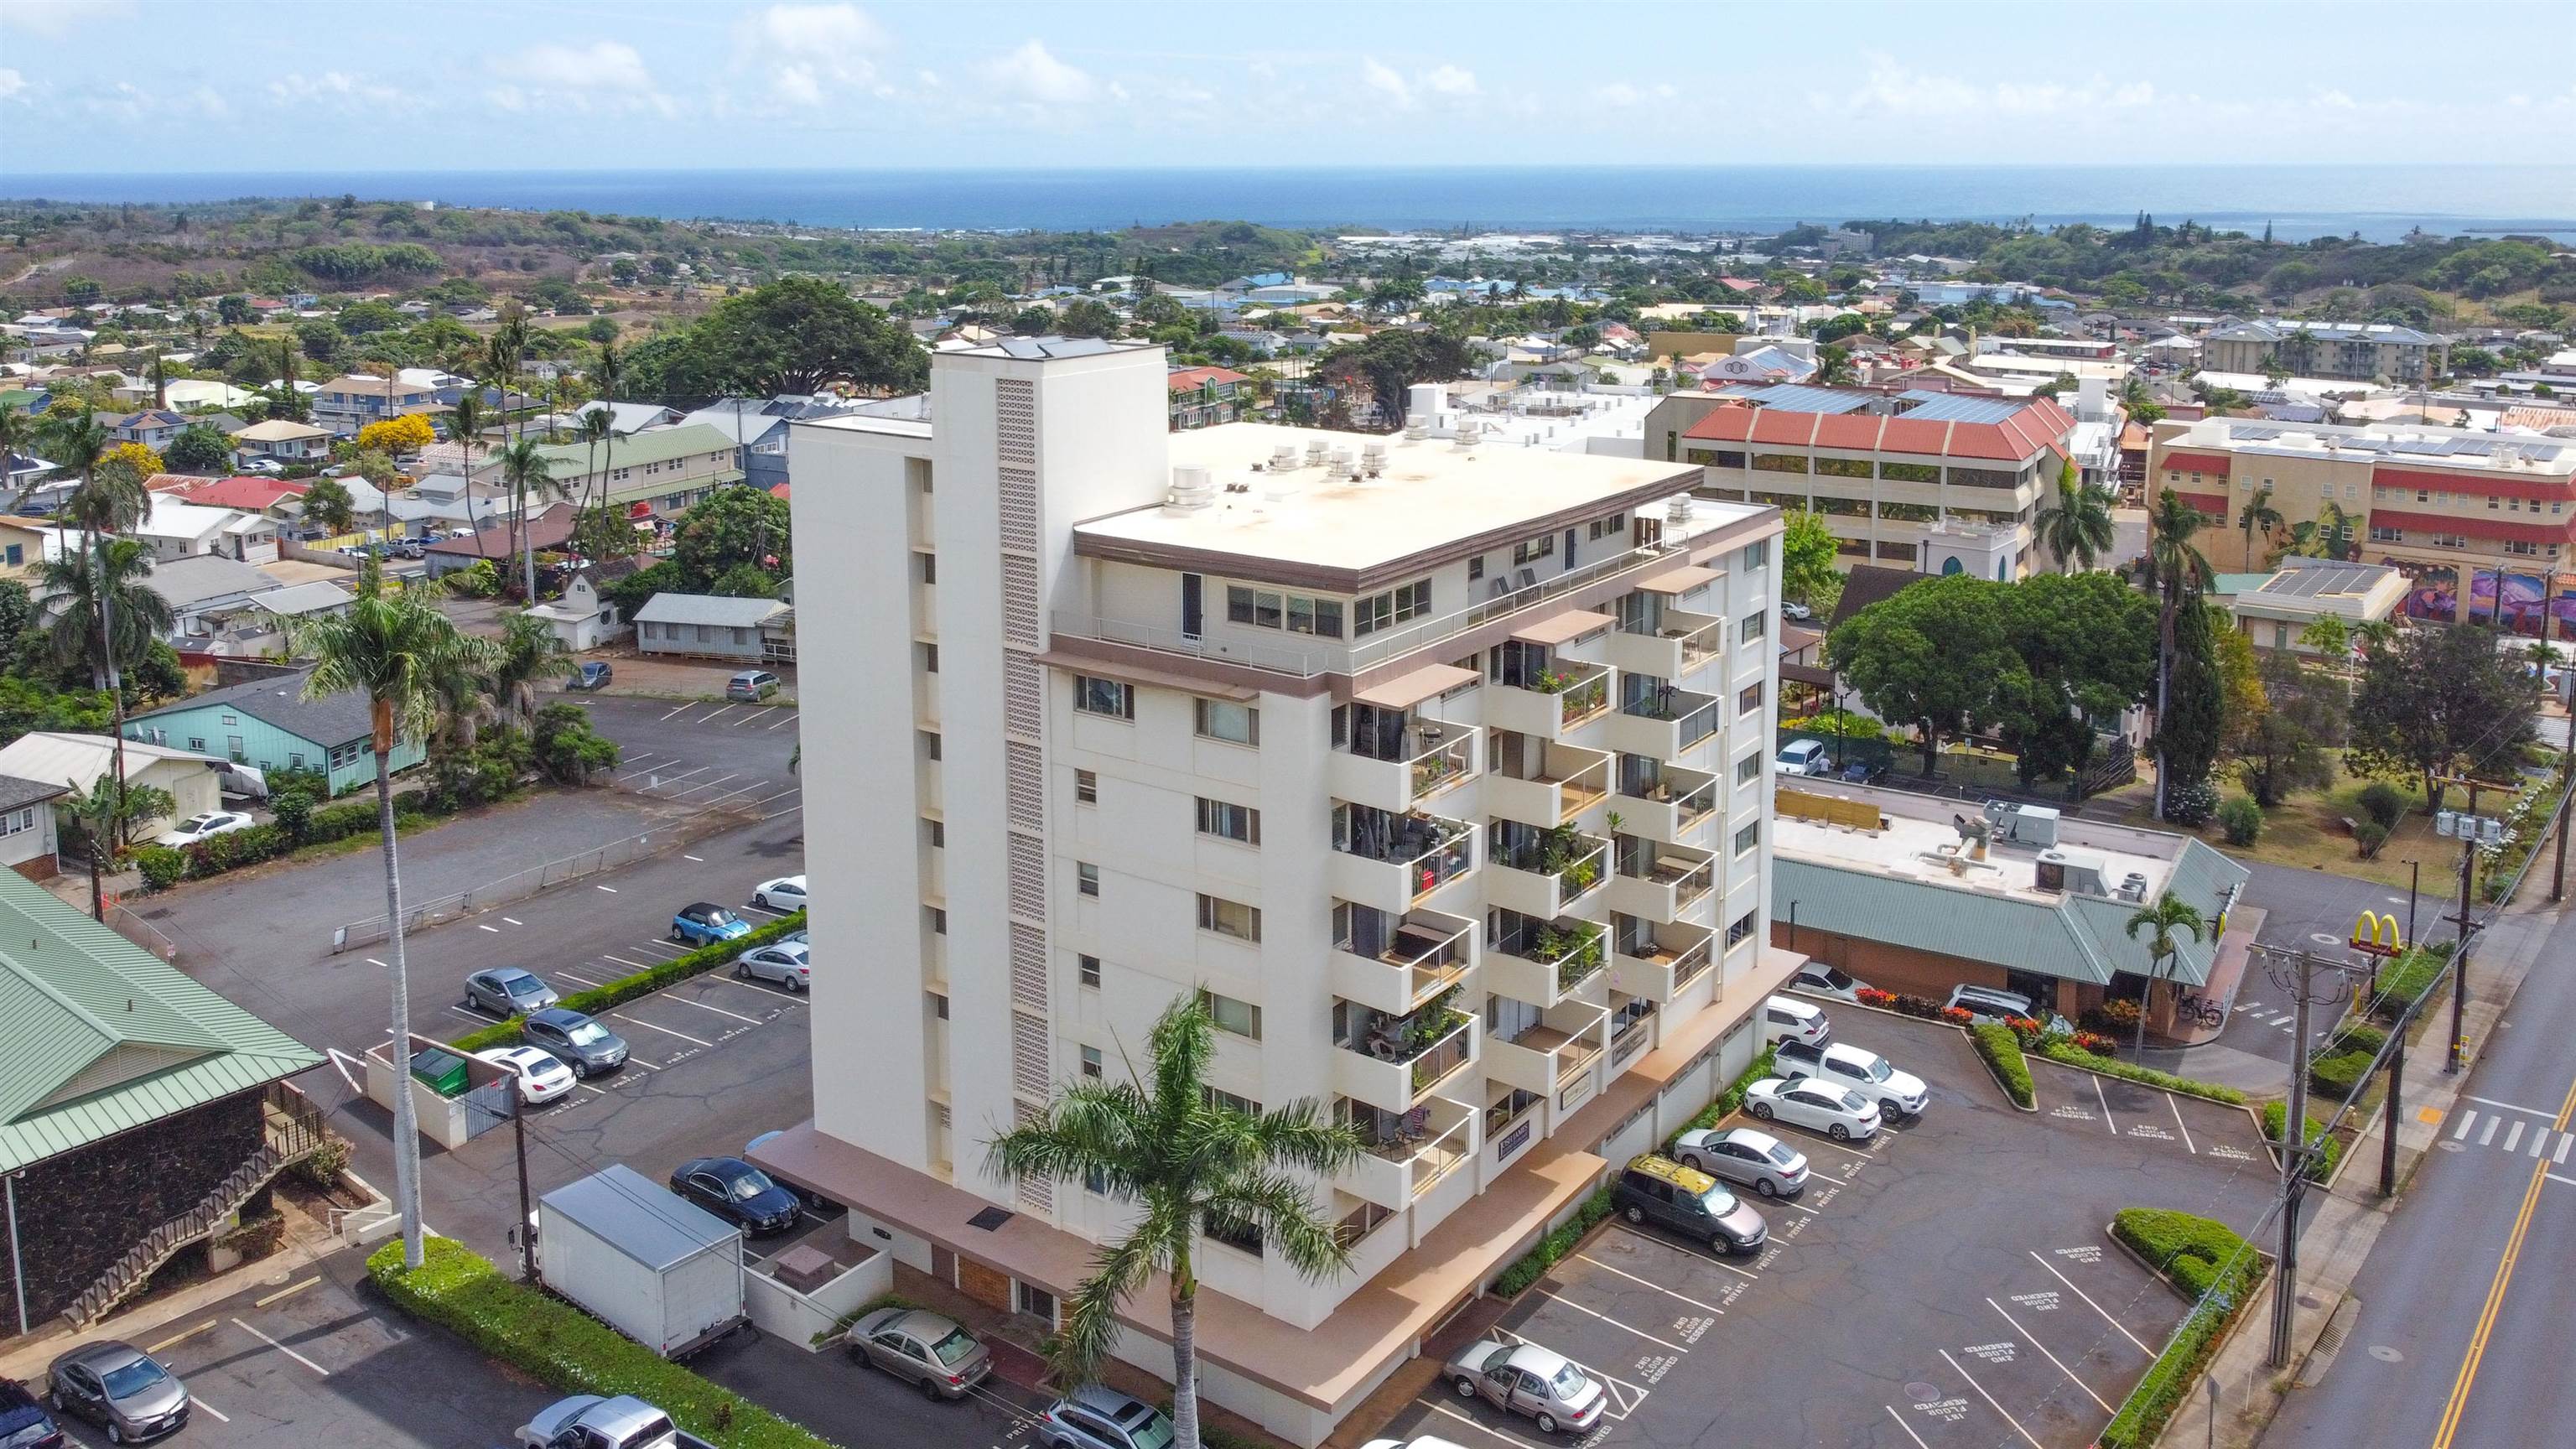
2380, 203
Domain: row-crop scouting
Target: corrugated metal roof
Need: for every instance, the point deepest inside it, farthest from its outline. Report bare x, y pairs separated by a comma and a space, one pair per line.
1957, 407
334, 719
82, 1006
1801, 398
639, 1217
652, 445
709, 609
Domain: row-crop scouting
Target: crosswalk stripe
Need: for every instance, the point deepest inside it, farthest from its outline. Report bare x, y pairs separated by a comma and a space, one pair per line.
2565, 1139
2489, 1135
2539, 1140
2468, 1119
2513, 1136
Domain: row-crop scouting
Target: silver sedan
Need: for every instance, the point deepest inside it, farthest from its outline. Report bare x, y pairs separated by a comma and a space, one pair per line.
1758, 1160
781, 963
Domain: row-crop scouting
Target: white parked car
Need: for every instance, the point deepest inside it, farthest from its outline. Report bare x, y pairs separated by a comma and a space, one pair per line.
1818, 979
1792, 609
1838, 1112
1898, 1094
205, 827
541, 1077
1786, 1018
1802, 757
1747, 1155
787, 893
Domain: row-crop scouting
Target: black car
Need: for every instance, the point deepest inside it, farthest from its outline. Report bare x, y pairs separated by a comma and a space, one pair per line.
736, 1191
24, 1424
577, 1041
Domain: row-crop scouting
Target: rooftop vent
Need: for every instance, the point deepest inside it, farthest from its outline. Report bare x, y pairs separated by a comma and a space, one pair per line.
1283, 457
1373, 458
1191, 490
1342, 466
1315, 449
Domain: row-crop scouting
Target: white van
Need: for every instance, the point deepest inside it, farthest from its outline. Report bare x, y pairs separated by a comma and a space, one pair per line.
1786, 1018
1802, 757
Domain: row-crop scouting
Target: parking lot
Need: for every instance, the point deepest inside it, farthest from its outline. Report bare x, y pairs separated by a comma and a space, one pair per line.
1896, 1304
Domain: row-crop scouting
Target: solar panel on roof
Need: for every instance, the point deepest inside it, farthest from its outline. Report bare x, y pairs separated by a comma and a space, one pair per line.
1956, 408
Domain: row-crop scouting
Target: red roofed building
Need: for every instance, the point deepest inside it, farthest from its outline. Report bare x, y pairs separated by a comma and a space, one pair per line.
249, 494
1912, 479
779, 492
1202, 396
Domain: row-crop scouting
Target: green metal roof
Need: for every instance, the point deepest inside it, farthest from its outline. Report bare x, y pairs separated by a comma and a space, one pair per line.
98, 1035
2237, 583
669, 483
2084, 938
653, 445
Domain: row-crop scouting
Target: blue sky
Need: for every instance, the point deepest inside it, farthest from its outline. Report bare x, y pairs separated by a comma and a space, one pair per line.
262, 85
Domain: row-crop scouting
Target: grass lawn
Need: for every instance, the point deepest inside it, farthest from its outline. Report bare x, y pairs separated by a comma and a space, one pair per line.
2306, 832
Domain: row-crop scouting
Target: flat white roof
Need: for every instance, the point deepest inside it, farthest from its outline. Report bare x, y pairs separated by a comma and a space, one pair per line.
1431, 494
1918, 849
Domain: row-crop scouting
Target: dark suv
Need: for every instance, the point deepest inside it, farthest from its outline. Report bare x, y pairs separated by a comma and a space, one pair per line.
24, 1424
1661, 1191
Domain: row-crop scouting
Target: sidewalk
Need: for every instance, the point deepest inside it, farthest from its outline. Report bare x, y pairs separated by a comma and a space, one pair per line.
2344, 1225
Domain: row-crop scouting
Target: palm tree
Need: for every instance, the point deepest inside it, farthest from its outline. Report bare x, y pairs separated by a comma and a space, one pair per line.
2176, 567
2076, 521
389, 645
529, 472
465, 424
609, 372
107, 817
2258, 512
1833, 365
17, 437
527, 656
1184, 1160
2169, 914
110, 498
597, 427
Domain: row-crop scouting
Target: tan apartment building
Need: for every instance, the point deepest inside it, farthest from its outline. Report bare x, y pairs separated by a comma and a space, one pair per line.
2328, 349
2443, 505
664, 471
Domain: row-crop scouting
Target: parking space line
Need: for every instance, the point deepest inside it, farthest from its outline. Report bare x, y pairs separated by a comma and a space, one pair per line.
1908, 1428
1818, 1139
2106, 1104
753, 718
575, 977
1658, 1287
472, 1016
1614, 1323
718, 1010
660, 943
2176, 1104
684, 774
513, 920
664, 1030
495, 930
1512, 1439
287, 1292
1709, 1258
778, 814
706, 784
197, 1401
2052, 1358
622, 961
2089, 1303
1990, 1400
772, 992
711, 719
791, 719
692, 704
281, 1348
1771, 1202
178, 1338
612, 890
2554, 1177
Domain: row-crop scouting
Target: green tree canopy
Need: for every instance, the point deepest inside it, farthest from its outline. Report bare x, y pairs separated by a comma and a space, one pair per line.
798, 333
1807, 573
2436, 701
1928, 655
740, 525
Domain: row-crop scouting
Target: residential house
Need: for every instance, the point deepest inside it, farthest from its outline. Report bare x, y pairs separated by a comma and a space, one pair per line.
27, 840
152, 427
547, 530
1204, 395
260, 626
758, 434
277, 499
177, 529
185, 394
269, 723
626, 418
135, 1095
581, 620
283, 441
351, 401
2273, 609
78, 762
200, 590
752, 631
663, 472
24, 546
1761, 364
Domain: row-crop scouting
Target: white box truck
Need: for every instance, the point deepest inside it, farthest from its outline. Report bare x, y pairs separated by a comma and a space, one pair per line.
657, 1268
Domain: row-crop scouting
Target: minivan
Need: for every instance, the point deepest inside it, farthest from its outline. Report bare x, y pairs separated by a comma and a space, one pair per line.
1802, 757
751, 684
1688, 1201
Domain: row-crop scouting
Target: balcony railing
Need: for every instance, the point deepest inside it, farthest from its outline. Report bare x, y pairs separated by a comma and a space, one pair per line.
1688, 878
1448, 1053
1441, 765
1575, 951
1580, 693
1432, 961
1576, 862
1431, 849
1631, 1039
1359, 1222
1426, 1158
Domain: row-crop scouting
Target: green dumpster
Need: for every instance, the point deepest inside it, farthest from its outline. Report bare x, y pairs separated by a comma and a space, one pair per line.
442, 1070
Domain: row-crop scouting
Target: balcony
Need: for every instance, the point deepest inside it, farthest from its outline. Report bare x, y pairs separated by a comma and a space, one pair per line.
1395, 862
1546, 698
1553, 1055
1663, 721
1396, 964
1544, 962
1632, 1030
1655, 961
1544, 782
1667, 643
1659, 882
1393, 1062
1663, 802
1395, 761
1543, 873
1405, 1154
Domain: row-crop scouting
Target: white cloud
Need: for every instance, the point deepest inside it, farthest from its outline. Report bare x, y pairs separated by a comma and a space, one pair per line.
607, 75
1442, 82
1384, 80
808, 53
1449, 80
1621, 95
1890, 88
337, 87
54, 18
12, 85
1032, 75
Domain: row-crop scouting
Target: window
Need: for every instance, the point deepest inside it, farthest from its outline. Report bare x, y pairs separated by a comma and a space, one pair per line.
1086, 787
938, 920
197, 743
1086, 878
1844, 467
1475, 568
1757, 554
1231, 822
1750, 700
930, 659
1086, 971
1091, 1066
1230, 918
1749, 837
934, 834
1748, 769
1104, 696
938, 1006
1753, 627
1297, 613
930, 744
1239, 1017
17, 821
1037, 1303
1217, 1098
1779, 462
1380, 611
1741, 928
1236, 724
1543, 546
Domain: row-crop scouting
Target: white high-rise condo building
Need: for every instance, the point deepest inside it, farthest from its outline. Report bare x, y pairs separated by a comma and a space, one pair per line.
1441, 772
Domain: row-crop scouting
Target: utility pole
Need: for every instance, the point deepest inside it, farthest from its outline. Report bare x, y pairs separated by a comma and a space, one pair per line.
2311, 980
2566, 780
527, 1233
2472, 831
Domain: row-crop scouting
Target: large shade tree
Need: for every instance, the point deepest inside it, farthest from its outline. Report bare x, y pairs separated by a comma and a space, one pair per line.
1184, 1161
2435, 702
1927, 655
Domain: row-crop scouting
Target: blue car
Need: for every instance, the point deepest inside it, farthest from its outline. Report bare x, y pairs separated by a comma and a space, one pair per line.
704, 921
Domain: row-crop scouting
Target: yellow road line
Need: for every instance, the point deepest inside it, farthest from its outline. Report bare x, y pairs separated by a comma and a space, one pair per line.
2468, 1375
179, 1338
287, 1292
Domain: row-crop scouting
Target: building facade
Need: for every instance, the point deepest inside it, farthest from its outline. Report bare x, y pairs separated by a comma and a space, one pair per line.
1438, 772
348, 403
2328, 349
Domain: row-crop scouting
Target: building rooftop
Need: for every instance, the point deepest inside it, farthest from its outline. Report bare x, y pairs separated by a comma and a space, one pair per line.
1432, 499
2390, 443
334, 719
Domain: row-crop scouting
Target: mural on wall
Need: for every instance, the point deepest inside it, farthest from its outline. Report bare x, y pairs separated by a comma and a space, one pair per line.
2434, 593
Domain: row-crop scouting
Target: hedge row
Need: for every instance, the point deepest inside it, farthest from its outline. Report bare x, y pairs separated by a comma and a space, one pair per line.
2329, 1151
1533, 1264
2071, 1055
643, 983
163, 867
2347, 1058
2001, 1047
2196, 1247
2404, 979
1727, 1101
461, 1291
